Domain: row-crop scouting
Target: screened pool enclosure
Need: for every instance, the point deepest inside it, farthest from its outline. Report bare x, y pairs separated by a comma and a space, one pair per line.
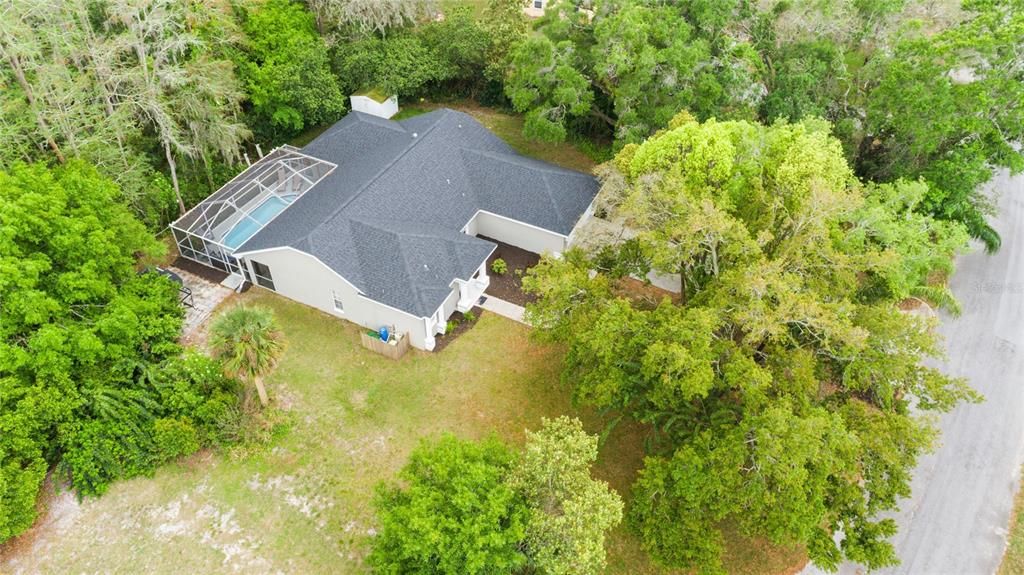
210, 232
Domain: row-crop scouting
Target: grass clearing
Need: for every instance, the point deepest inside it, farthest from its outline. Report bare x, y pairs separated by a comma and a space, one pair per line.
303, 503
1013, 559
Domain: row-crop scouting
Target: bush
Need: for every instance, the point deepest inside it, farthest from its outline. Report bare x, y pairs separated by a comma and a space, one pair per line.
478, 507
470, 316
499, 266
452, 513
174, 438
450, 326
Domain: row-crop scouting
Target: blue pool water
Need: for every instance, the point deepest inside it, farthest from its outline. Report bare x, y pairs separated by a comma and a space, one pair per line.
246, 227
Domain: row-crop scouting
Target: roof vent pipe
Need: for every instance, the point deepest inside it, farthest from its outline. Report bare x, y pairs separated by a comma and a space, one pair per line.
414, 134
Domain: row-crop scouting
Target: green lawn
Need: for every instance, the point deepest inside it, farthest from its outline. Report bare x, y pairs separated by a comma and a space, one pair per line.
1013, 560
303, 503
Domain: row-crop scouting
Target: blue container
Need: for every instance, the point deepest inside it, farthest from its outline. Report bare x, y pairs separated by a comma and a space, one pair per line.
383, 333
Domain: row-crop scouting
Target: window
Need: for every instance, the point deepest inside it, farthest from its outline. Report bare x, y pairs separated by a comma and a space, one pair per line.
263, 276
339, 306
538, 4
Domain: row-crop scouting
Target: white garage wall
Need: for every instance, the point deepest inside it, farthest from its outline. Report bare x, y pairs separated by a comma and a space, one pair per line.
305, 279
515, 233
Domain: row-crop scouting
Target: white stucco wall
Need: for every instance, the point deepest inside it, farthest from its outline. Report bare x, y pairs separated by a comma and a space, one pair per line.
515, 233
366, 104
303, 278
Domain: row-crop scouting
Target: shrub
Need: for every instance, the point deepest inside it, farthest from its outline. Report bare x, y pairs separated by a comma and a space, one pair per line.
470, 316
499, 266
478, 507
453, 512
174, 438
451, 325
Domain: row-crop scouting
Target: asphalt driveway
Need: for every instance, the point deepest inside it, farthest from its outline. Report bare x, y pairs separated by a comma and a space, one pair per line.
956, 520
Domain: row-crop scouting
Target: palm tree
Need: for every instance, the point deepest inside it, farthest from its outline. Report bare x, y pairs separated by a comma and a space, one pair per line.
248, 343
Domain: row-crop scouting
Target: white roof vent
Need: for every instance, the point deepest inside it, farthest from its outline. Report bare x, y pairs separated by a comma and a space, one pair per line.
414, 135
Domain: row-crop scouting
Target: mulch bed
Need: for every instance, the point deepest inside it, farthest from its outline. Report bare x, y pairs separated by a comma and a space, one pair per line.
207, 273
461, 326
509, 285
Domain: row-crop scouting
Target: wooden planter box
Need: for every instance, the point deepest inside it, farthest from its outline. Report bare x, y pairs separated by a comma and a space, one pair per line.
394, 349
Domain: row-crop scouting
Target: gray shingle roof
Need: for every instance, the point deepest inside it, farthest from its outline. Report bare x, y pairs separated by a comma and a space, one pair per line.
389, 218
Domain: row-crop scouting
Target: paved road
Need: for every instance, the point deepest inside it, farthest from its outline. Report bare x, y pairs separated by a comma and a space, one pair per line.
956, 520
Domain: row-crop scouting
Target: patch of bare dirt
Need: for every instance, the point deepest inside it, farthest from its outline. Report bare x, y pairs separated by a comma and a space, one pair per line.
58, 510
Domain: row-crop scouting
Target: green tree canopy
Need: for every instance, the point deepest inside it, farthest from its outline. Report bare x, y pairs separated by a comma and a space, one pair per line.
569, 511
632, 66
780, 382
453, 513
478, 507
87, 345
287, 71
248, 344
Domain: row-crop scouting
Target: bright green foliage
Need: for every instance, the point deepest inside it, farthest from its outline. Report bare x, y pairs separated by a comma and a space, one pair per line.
499, 266
286, 70
477, 507
914, 245
248, 344
569, 511
87, 346
454, 513
912, 94
780, 385
639, 50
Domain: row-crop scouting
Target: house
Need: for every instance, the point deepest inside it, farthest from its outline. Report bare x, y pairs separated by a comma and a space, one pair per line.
535, 8
377, 221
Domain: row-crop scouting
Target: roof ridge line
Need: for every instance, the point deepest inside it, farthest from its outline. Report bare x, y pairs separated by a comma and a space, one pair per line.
547, 167
381, 172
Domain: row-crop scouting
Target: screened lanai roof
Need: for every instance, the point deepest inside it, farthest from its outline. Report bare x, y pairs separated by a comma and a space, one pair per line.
251, 199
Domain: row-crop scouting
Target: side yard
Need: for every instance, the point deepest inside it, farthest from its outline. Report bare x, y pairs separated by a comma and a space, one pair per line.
302, 504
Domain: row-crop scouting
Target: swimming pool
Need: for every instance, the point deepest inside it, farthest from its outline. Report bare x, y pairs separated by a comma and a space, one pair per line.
263, 213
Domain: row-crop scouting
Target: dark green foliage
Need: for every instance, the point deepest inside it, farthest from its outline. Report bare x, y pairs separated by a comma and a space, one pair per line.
89, 360
445, 58
805, 78
286, 71
453, 513
933, 100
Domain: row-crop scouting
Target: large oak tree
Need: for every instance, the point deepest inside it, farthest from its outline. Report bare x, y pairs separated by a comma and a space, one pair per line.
785, 385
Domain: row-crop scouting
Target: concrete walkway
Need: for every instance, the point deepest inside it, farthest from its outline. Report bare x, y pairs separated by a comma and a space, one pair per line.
503, 308
206, 296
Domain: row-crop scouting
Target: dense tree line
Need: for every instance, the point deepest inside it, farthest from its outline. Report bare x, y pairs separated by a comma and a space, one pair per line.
782, 383
92, 380
912, 90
